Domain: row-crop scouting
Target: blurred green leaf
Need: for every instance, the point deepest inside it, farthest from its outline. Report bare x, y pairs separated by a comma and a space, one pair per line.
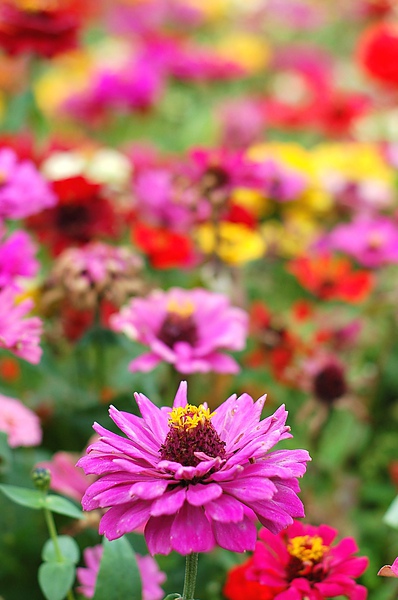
118, 576
24, 496
68, 546
5, 453
62, 506
56, 579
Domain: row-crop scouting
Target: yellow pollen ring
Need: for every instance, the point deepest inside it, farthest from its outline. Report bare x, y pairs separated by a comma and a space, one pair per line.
184, 308
307, 548
189, 417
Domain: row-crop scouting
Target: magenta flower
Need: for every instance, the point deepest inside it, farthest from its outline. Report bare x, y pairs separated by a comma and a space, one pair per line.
371, 241
23, 191
20, 423
20, 336
151, 576
193, 478
17, 259
187, 328
303, 563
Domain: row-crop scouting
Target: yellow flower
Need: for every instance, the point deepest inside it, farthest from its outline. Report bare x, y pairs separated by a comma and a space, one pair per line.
234, 243
292, 237
250, 52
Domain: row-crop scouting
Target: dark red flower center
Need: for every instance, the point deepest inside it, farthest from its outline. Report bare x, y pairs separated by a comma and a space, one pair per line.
178, 327
214, 178
329, 383
72, 219
191, 431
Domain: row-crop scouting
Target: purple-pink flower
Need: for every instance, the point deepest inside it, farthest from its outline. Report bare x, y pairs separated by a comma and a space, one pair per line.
187, 328
20, 423
193, 478
23, 191
18, 334
389, 570
151, 576
17, 258
373, 242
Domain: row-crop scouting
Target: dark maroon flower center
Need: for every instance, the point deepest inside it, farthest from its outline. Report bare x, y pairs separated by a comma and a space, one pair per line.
329, 383
72, 219
181, 443
314, 572
178, 328
214, 178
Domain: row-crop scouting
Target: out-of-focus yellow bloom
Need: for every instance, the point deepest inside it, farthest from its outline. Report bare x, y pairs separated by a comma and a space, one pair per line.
234, 243
250, 52
67, 74
251, 200
292, 237
355, 162
315, 198
212, 9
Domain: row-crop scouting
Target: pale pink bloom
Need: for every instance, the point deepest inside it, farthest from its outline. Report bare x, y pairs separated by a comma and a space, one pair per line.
66, 478
23, 191
190, 329
20, 423
18, 334
151, 576
389, 570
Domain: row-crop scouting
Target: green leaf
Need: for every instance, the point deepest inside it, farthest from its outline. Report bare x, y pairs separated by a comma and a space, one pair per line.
56, 579
5, 453
24, 496
62, 506
69, 550
391, 516
118, 576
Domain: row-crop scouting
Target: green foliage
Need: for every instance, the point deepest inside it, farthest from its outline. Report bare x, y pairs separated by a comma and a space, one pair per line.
56, 579
118, 576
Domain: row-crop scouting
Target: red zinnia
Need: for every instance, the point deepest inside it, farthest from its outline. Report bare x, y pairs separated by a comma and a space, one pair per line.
331, 278
378, 52
165, 249
81, 215
43, 27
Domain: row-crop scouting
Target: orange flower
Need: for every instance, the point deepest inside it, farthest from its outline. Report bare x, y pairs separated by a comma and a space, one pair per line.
331, 278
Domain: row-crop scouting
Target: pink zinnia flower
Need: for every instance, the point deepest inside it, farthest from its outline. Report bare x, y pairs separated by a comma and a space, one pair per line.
20, 423
151, 576
20, 336
302, 564
371, 241
17, 258
193, 478
23, 191
187, 328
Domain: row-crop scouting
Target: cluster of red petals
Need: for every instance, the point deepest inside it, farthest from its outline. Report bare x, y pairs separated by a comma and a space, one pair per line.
81, 215
378, 52
42, 28
164, 248
331, 278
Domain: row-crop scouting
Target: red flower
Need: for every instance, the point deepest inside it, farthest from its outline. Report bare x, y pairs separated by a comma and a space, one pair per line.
331, 278
165, 249
43, 27
239, 588
81, 215
378, 52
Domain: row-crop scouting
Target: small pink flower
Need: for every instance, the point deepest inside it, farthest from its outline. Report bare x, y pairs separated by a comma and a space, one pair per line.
17, 258
23, 191
66, 478
389, 570
187, 328
303, 563
19, 335
151, 576
20, 423
193, 478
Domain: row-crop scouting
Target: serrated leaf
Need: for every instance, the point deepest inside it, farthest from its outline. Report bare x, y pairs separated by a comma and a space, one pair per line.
24, 496
62, 506
118, 575
69, 550
391, 516
56, 579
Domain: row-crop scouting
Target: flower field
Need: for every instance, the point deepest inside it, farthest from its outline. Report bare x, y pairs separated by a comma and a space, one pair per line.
198, 299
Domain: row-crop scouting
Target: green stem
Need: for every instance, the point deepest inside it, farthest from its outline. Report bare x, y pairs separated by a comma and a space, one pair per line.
54, 537
191, 569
